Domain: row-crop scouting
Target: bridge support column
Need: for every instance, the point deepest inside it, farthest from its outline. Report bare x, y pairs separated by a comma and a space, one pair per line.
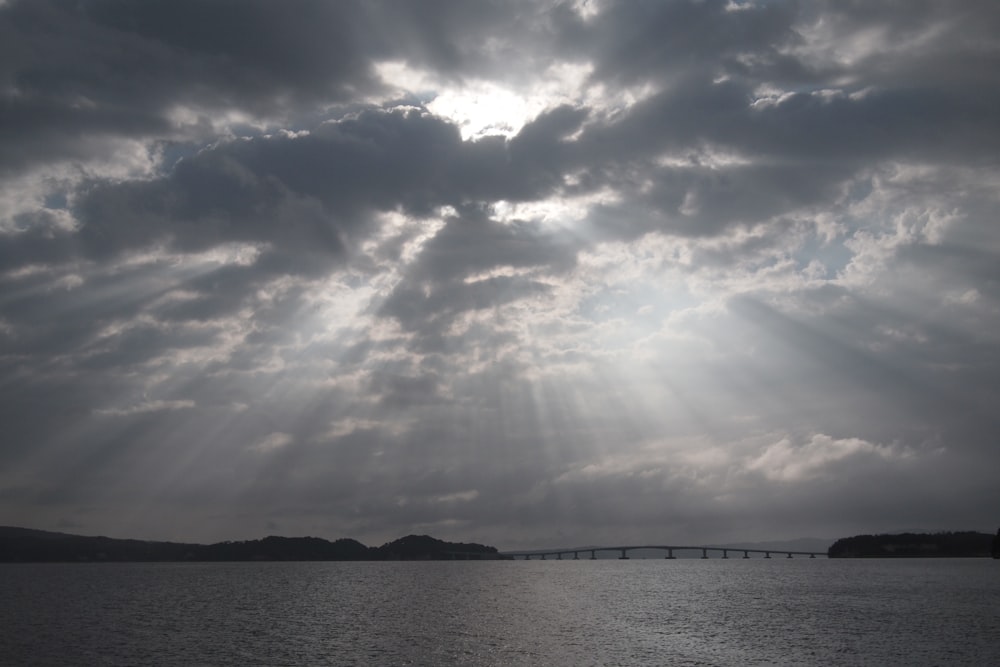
725, 553
746, 554
767, 554
593, 554
789, 555
576, 555
624, 556
704, 553
559, 556
543, 556
812, 555
670, 554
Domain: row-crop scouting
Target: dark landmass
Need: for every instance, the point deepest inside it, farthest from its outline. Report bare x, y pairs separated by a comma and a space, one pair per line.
27, 545
966, 544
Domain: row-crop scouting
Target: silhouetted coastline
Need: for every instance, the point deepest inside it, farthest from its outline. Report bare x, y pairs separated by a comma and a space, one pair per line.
965, 544
28, 545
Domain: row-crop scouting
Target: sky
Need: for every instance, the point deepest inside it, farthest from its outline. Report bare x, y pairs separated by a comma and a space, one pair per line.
530, 274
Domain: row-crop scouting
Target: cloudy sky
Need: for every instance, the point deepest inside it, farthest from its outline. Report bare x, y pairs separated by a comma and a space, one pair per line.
523, 273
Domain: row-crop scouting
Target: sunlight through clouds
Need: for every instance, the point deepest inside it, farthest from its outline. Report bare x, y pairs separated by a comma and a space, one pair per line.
604, 270
481, 108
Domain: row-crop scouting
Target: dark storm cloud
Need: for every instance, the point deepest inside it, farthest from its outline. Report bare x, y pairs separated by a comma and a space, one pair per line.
77, 73
791, 45
80, 71
308, 192
314, 193
634, 42
809, 121
805, 146
802, 129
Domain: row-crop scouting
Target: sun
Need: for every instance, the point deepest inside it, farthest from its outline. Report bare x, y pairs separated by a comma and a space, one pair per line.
481, 108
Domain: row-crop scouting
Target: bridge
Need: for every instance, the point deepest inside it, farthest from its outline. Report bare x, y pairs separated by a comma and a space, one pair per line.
668, 548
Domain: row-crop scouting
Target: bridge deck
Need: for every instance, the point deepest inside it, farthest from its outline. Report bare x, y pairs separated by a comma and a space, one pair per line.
624, 549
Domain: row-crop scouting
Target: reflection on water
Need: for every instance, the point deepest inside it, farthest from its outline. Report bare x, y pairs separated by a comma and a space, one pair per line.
656, 612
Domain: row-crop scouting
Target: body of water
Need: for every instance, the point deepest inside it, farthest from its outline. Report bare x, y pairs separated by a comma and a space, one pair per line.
604, 612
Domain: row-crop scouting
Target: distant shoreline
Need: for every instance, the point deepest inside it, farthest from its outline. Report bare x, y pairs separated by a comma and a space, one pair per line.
964, 544
25, 545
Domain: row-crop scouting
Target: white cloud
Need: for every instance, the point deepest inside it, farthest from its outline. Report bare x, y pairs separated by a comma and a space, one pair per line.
145, 407
790, 461
272, 442
457, 497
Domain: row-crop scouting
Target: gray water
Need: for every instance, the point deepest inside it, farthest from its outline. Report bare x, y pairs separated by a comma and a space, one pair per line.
605, 612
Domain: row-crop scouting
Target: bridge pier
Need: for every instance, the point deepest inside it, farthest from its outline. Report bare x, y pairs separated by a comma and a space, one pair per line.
767, 554
576, 555
593, 554
543, 556
789, 555
704, 553
624, 555
670, 554
812, 555
725, 553
559, 556
746, 554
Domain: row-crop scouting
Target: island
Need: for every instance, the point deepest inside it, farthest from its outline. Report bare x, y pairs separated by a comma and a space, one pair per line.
28, 545
963, 544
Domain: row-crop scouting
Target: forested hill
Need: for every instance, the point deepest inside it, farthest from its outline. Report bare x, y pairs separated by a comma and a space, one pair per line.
27, 545
948, 545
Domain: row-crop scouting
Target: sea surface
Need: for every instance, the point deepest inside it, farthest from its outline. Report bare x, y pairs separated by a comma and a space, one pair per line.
605, 612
